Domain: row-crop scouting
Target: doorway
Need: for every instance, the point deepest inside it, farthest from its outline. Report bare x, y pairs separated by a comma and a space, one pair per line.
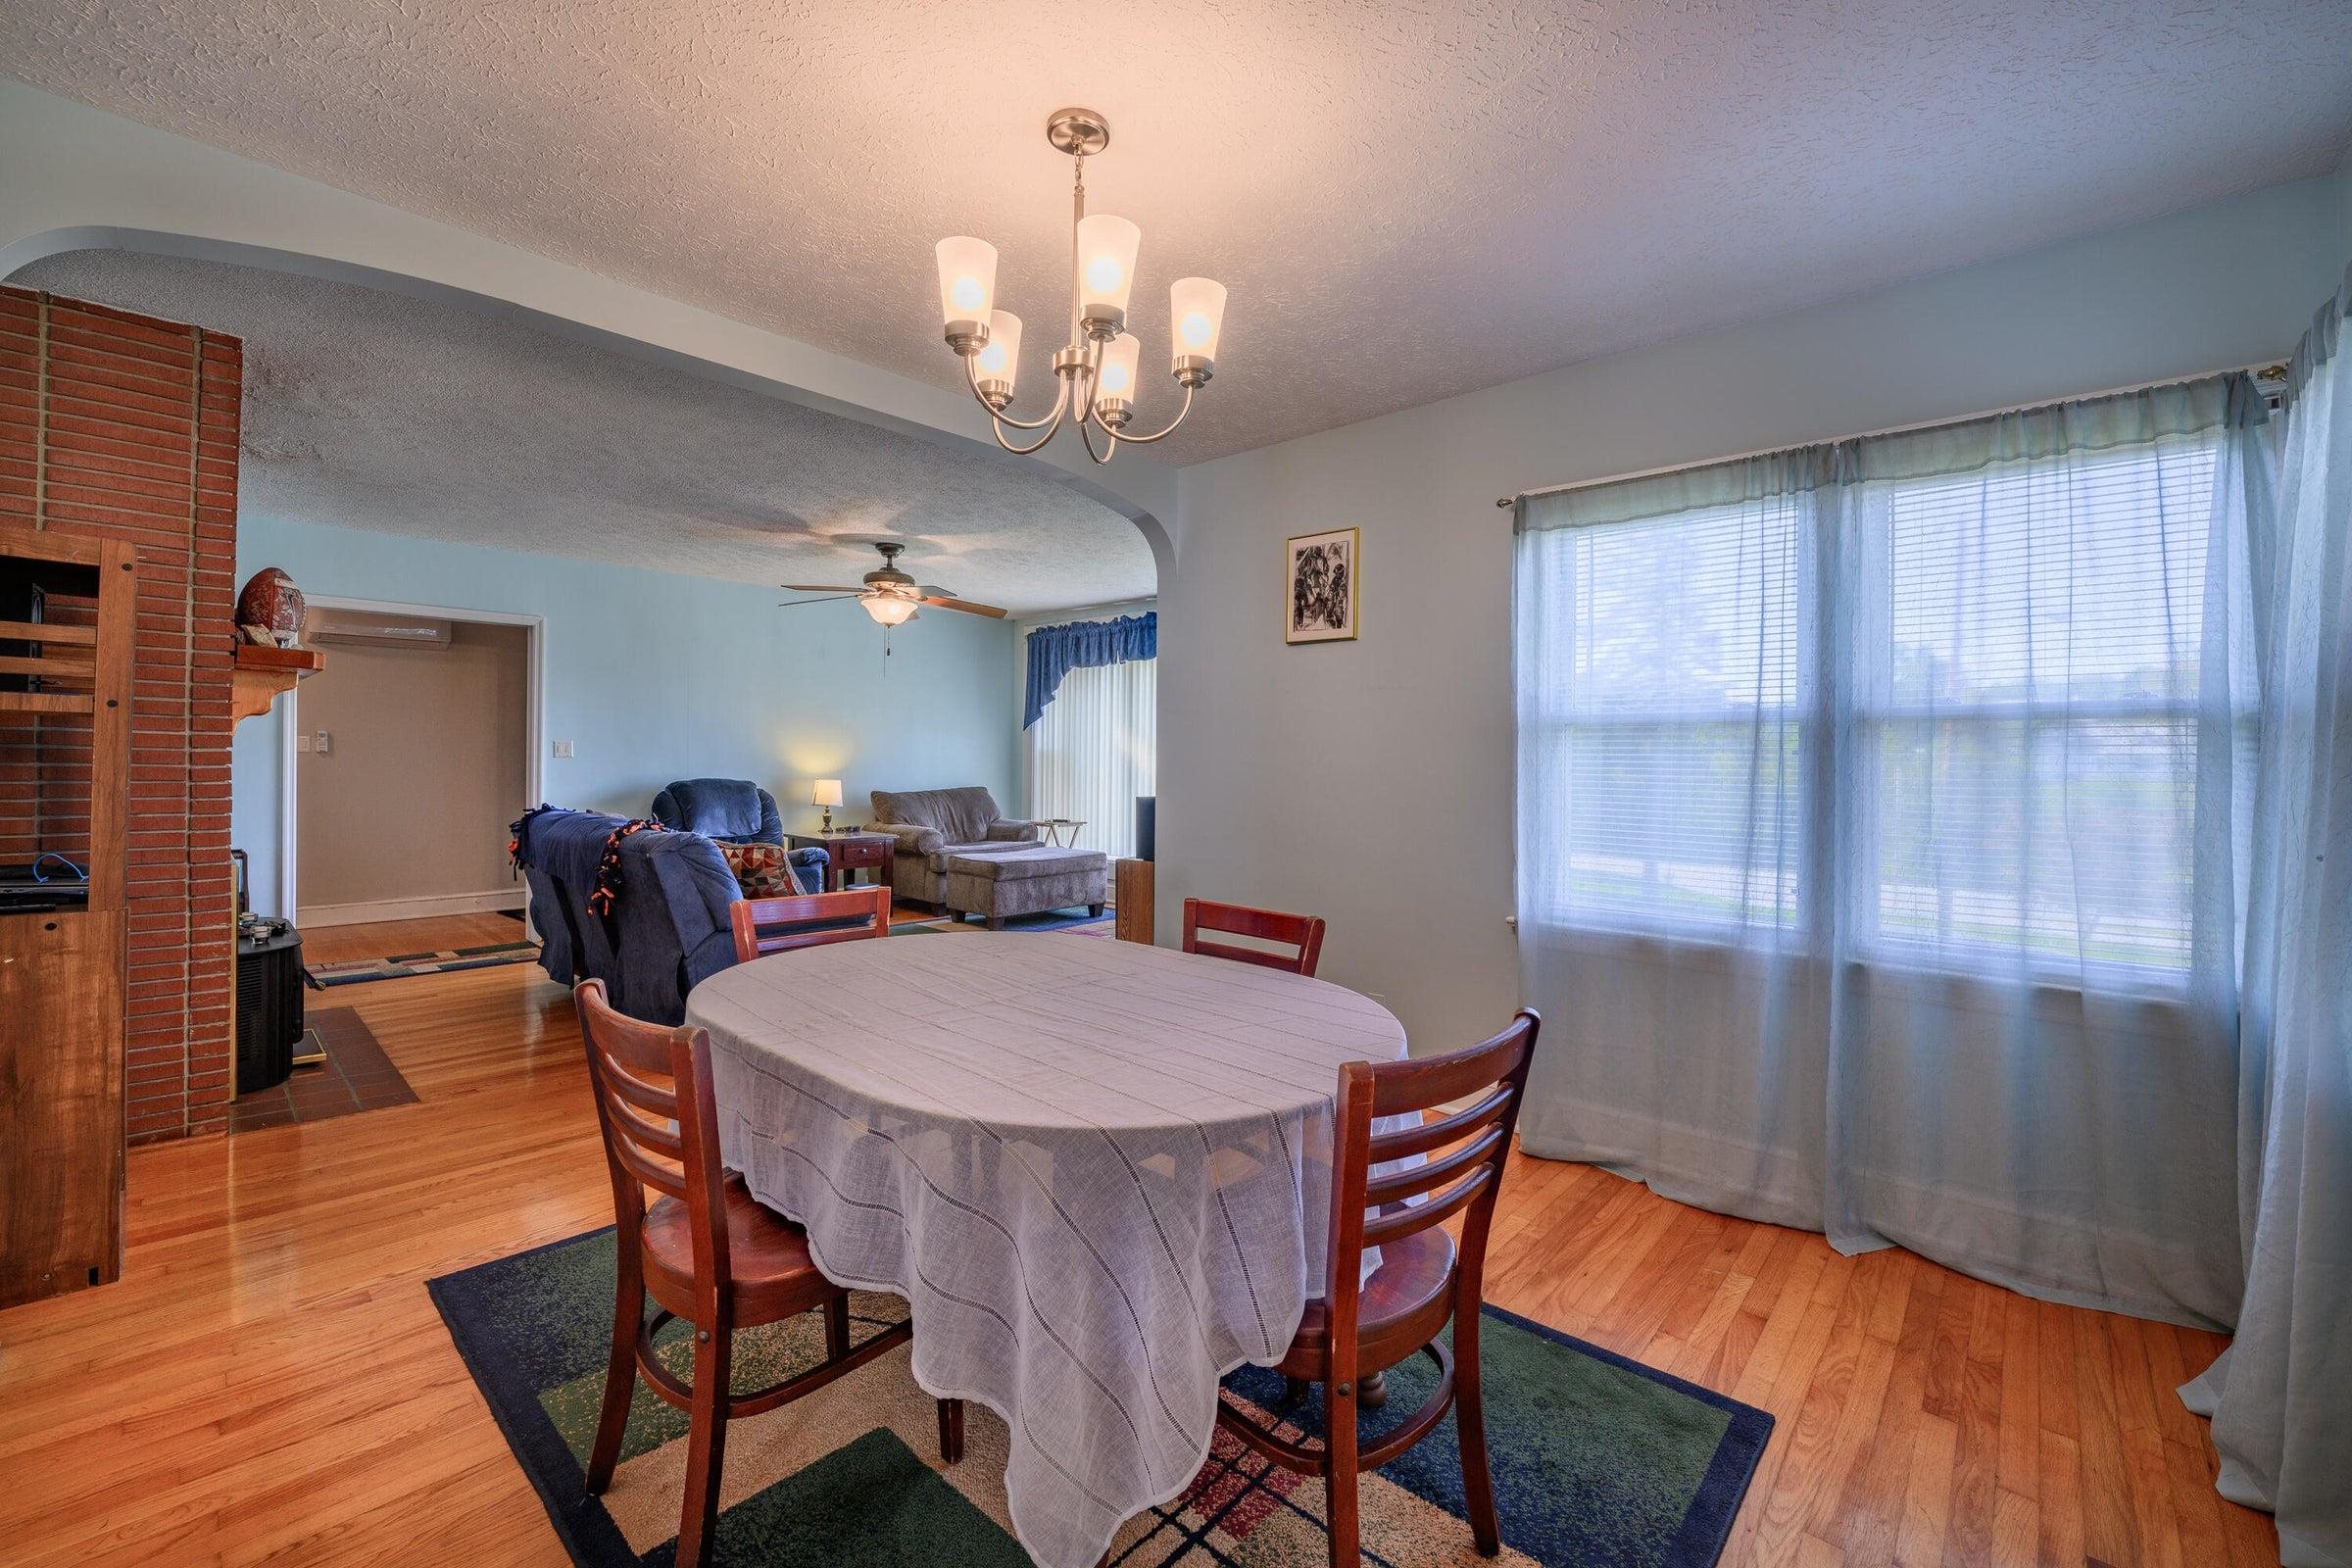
406, 758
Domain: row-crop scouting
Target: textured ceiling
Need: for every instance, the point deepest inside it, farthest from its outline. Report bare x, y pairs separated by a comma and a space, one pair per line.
1407, 199
370, 410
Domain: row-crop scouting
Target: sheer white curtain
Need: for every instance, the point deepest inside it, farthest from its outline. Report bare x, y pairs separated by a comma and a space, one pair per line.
1094, 750
1880, 812
2281, 1398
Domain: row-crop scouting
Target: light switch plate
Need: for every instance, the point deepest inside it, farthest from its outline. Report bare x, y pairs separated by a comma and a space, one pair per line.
323, 744
563, 748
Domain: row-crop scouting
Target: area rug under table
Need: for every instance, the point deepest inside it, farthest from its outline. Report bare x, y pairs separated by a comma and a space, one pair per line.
1600, 1462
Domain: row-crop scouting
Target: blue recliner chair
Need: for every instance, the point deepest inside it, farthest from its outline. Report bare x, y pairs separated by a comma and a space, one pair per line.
732, 809
667, 930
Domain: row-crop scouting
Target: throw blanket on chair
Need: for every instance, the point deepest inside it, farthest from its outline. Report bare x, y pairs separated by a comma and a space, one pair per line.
608, 869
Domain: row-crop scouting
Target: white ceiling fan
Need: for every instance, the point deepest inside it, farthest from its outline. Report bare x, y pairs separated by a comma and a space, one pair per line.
889, 595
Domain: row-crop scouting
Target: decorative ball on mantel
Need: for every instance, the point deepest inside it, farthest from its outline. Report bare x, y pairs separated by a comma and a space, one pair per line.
269, 609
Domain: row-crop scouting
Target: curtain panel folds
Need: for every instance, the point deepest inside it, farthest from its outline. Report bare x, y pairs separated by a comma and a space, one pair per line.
1882, 821
2281, 1398
1056, 651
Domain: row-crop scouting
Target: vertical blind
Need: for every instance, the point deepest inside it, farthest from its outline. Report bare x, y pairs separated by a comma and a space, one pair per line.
1093, 752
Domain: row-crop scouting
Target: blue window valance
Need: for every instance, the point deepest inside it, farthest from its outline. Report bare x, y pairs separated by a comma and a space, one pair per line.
1056, 651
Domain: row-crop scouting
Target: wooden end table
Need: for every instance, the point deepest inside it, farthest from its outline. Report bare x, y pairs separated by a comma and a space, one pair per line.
848, 853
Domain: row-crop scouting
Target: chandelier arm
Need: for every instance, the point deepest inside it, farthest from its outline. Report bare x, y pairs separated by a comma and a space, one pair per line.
1100, 457
971, 378
1164, 431
998, 428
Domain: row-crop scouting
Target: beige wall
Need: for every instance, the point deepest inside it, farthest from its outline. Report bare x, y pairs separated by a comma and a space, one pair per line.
425, 771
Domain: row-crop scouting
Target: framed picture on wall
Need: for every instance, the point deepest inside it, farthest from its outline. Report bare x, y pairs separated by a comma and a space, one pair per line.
1320, 583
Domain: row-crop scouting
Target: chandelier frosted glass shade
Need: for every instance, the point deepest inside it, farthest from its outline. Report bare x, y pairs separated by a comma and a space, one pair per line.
890, 609
1106, 252
1196, 317
967, 285
1098, 369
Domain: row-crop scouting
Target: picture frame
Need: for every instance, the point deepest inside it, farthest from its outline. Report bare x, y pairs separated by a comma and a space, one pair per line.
1321, 583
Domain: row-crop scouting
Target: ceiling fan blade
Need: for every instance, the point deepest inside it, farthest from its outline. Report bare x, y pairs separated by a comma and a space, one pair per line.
821, 587
932, 590
964, 605
829, 599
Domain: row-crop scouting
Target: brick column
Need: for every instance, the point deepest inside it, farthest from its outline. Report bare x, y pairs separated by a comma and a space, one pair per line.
125, 426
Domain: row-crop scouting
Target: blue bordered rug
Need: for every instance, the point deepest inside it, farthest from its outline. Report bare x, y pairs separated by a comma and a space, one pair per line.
1598, 1461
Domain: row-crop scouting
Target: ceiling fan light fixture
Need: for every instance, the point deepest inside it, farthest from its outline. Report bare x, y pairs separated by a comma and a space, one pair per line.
890, 609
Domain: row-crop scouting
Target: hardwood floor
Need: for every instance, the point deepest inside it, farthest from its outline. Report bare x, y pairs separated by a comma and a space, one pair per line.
269, 1382
379, 939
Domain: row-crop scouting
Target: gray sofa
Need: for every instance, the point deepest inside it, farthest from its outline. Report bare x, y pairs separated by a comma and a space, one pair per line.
933, 828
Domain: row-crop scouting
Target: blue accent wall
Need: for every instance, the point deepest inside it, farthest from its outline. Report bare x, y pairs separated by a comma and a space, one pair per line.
653, 676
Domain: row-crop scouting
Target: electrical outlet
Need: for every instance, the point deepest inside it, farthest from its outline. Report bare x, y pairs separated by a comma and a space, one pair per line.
563, 748
324, 743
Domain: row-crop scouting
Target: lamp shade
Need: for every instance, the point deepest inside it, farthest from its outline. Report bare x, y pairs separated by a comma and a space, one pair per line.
890, 609
1106, 248
1116, 382
968, 284
827, 793
1000, 362
1197, 317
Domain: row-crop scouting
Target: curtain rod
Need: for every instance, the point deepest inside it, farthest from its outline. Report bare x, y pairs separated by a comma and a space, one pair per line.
2268, 378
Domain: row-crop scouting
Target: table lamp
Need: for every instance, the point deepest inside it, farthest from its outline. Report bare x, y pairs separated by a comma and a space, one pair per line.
827, 795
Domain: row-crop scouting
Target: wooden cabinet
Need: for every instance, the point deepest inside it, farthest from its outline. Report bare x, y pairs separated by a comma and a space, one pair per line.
65, 725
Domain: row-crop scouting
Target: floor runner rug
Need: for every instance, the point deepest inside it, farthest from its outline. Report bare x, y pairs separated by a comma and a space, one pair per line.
352, 971
1598, 1462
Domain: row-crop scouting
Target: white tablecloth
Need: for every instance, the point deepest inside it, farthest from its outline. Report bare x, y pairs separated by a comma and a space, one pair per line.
1099, 1172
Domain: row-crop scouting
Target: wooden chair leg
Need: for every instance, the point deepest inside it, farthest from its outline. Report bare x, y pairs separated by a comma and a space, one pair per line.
837, 1326
621, 1377
951, 1431
1339, 1475
1470, 1420
1294, 1393
706, 1444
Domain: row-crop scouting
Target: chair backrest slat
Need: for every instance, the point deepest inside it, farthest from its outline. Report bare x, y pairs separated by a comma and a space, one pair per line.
1303, 932
1412, 1181
655, 1108
762, 926
1429, 1134
1396, 1223
1370, 1210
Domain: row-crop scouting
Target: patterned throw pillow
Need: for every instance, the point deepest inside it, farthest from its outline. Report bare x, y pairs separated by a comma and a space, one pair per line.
761, 870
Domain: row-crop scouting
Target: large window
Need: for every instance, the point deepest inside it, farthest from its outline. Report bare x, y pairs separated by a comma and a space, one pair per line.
1959, 717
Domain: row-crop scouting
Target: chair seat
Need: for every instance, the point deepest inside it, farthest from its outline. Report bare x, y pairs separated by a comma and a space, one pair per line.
772, 1274
1405, 1303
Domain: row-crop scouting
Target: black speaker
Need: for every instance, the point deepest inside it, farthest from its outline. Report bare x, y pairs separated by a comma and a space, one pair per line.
1147, 827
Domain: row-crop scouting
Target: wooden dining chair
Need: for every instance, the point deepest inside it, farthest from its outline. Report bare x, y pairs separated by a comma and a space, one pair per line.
706, 1250
808, 920
1303, 932
1363, 1326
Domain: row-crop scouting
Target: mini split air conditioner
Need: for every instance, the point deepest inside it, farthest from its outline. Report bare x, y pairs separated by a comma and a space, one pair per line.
354, 626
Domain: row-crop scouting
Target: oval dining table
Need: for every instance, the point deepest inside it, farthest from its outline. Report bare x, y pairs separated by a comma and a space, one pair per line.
1097, 1172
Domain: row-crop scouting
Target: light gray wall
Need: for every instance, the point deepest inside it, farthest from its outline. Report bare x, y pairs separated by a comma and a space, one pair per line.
653, 676
1372, 781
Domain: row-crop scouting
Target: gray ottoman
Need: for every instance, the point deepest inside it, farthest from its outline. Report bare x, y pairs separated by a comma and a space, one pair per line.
1028, 880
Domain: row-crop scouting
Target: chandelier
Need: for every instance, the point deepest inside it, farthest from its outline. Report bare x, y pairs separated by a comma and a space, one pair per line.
1098, 367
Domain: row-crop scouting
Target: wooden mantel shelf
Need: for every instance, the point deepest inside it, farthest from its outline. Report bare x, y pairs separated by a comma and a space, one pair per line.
261, 673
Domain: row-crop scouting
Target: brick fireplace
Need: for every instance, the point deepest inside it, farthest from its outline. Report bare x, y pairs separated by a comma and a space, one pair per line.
125, 426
